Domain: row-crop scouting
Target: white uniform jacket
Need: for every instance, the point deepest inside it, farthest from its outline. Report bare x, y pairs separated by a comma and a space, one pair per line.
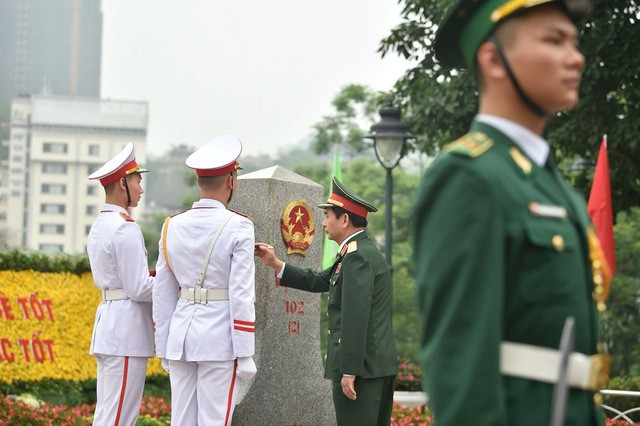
218, 330
118, 259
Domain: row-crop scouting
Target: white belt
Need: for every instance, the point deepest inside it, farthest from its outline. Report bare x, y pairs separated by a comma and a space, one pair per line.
115, 294
543, 365
203, 295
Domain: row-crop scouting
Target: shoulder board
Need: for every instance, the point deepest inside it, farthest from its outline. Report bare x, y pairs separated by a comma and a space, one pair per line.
519, 158
173, 215
241, 214
471, 145
127, 217
352, 246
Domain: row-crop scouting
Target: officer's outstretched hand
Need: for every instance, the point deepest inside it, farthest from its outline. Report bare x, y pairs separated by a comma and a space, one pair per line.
268, 256
165, 364
246, 367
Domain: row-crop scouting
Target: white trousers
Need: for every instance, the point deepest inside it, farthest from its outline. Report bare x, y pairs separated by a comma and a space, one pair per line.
119, 389
202, 393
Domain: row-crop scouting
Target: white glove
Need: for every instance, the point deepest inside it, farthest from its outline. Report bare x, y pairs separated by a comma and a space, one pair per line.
246, 367
165, 364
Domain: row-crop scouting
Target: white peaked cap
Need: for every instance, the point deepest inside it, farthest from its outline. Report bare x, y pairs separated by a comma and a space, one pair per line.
217, 157
118, 167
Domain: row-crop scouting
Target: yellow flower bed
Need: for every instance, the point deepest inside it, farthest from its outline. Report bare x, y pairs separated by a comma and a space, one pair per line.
46, 321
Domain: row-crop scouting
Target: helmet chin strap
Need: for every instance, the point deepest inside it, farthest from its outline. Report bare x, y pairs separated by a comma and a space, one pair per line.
523, 96
126, 187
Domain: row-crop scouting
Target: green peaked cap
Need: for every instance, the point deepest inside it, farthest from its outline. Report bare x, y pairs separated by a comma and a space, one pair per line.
467, 24
342, 197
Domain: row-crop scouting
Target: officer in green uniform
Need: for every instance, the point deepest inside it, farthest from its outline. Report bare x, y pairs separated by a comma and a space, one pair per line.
504, 250
361, 355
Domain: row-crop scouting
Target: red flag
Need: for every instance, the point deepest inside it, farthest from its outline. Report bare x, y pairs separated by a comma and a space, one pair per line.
600, 206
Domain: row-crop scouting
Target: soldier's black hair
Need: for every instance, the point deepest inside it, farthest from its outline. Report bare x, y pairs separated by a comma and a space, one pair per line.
357, 221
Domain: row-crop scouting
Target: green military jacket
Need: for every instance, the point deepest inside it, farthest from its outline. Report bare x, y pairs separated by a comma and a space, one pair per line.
360, 332
501, 254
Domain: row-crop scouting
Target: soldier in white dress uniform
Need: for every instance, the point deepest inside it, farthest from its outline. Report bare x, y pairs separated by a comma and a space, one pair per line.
122, 338
203, 298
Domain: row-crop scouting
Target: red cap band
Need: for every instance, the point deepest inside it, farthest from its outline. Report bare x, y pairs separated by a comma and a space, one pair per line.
217, 172
118, 174
348, 205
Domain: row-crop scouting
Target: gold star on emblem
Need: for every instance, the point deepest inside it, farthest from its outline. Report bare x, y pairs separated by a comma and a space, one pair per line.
299, 214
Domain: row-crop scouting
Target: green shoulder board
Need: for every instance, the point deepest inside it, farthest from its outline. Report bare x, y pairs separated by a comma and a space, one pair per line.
472, 145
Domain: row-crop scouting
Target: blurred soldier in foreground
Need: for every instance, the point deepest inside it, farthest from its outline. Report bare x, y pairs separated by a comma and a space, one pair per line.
122, 338
203, 300
504, 249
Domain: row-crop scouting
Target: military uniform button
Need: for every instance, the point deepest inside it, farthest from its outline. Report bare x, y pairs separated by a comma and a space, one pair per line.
597, 279
329, 332
339, 340
558, 242
327, 314
597, 399
597, 264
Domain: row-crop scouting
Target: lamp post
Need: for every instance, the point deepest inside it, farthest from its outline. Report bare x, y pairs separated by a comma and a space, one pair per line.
389, 137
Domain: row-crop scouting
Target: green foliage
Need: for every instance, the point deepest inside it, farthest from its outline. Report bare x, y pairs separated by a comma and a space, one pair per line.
54, 391
623, 403
440, 104
158, 386
72, 393
151, 227
354, 104
17, 260
622, 318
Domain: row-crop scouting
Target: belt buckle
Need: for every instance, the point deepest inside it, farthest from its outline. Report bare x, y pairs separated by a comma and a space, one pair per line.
203, 296
599, 372
192, 295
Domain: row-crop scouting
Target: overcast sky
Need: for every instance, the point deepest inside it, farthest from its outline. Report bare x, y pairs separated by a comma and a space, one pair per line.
265, 71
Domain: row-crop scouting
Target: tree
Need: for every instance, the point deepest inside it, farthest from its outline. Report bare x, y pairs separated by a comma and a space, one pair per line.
440, 104
622, 318
354, 104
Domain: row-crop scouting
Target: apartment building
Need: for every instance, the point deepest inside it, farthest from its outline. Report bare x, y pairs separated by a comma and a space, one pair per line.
46, 201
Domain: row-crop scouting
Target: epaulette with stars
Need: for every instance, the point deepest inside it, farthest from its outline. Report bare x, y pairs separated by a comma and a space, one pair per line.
349, 248
472, 145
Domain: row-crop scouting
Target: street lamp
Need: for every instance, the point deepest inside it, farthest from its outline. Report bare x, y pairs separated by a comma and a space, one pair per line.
389, 137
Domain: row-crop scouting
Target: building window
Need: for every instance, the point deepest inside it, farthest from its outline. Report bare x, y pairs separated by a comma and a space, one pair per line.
52, 208
92, 210
51, 228
54, 168
94, 149
54, 188
50, 247
54, 147
92, 168
92, 190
